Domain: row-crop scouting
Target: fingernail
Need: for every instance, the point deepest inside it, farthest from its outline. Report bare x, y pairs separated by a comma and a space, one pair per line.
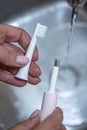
22, 60
34, 114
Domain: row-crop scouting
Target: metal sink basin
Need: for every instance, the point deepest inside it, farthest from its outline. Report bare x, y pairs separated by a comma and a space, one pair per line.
17, 104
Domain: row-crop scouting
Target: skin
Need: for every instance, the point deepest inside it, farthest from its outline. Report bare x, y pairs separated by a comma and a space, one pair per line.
9, 52
9, 67
53, 122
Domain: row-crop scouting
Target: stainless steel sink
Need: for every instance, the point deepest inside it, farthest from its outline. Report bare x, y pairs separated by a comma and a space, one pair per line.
17, 104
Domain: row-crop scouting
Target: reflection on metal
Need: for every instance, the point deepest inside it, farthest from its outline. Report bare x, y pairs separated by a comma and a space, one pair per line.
17, 104
70, 71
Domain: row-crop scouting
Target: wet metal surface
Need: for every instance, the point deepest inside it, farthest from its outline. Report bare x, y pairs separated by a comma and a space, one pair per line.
17, 104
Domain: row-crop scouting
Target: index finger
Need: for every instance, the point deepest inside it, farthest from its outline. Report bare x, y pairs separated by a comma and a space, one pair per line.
14, 34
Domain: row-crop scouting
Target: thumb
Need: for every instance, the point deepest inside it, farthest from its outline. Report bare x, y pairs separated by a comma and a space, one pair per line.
30, 123
12, 59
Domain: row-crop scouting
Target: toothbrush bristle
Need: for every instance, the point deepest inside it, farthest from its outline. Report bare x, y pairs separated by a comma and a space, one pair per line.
41, 30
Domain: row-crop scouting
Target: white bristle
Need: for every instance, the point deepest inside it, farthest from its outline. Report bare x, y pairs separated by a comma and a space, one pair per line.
41, 30
41, 34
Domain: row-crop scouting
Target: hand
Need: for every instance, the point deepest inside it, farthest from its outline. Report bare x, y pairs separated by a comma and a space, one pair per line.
12, 57
53, 122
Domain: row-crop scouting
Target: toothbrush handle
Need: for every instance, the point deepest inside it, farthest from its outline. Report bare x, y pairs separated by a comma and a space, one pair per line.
31, 48
23, 72
48, 104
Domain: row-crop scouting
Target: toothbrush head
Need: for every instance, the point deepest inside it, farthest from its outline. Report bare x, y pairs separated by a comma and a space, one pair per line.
40, 30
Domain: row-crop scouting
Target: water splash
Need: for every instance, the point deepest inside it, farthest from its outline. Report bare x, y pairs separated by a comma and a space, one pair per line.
71, 32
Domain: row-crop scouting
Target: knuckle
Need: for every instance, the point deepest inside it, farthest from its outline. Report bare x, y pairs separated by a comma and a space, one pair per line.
9, 78
7, 58
24, 38
4, 58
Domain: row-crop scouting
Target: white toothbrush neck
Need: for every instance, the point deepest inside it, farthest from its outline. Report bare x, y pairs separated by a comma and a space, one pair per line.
54, 79
31, 48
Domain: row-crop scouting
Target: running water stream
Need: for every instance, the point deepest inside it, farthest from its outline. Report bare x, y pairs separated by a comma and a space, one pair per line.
71, 32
